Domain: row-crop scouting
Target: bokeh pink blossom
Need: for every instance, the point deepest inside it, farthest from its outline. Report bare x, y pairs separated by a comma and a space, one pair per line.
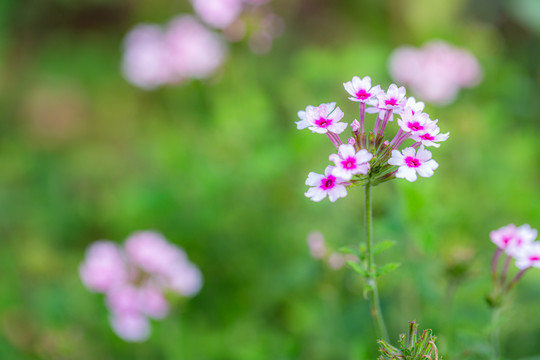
136, 278
183, 50
436, 71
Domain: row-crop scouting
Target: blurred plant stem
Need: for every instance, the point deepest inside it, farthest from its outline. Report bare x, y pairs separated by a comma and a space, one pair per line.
495, 342
372, 289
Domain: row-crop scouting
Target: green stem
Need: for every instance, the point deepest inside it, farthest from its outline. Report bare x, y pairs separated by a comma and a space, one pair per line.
495, 343
372, 278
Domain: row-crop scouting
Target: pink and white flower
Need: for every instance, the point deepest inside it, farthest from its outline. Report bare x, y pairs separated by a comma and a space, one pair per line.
412, 162
415, 106
322, 119
415, 123
528, 256
511, 238
361, 89
325, 185
349, 162
431, 137
393, 99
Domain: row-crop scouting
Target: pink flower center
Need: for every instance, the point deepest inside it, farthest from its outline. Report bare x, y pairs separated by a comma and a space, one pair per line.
415, 126
506, 239
412, 162
363, 94
328, 183
391, 102
349, 163
427, 137
323, 123
534, 258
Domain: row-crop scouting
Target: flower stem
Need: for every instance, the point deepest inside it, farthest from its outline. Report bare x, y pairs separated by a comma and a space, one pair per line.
495, 343
373, 292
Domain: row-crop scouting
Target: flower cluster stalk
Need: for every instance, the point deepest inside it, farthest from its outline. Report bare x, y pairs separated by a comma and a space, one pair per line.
373, 291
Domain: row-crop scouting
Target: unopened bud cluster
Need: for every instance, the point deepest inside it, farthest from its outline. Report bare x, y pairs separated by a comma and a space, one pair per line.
367, 157
411, 346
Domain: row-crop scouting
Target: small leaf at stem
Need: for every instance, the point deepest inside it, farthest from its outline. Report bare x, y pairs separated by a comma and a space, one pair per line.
386, 268
383, 246
348, 250
358, 268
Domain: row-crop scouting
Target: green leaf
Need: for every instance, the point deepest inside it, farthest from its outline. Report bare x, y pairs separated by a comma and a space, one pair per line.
348, 250
358, 268
383, 246
387, 268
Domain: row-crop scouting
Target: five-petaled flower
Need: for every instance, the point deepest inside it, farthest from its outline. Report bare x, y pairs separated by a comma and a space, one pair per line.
361, 89
327, 184
349, 162
322, 119
412, 162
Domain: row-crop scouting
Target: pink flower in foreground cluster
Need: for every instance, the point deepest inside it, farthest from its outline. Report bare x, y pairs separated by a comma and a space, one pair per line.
349, 162
327, 184
368, 157
436, 71
136, 278
322, 119
394, 99
184, 50
361, 89
411, 162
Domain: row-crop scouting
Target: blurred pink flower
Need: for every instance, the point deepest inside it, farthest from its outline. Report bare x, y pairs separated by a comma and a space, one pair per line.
436, 71
133, 327
184, 50
151, 252
145, 57
194, 51
317, 247
336, 261
218, 13
511, 238
135, 279
104, 267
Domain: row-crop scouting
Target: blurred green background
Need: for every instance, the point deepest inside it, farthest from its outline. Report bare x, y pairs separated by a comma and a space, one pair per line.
218, 167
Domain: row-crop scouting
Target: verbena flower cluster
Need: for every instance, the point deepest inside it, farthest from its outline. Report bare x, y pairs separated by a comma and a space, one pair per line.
436, 71
186, 49
517, 243
135, 279
367, 156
